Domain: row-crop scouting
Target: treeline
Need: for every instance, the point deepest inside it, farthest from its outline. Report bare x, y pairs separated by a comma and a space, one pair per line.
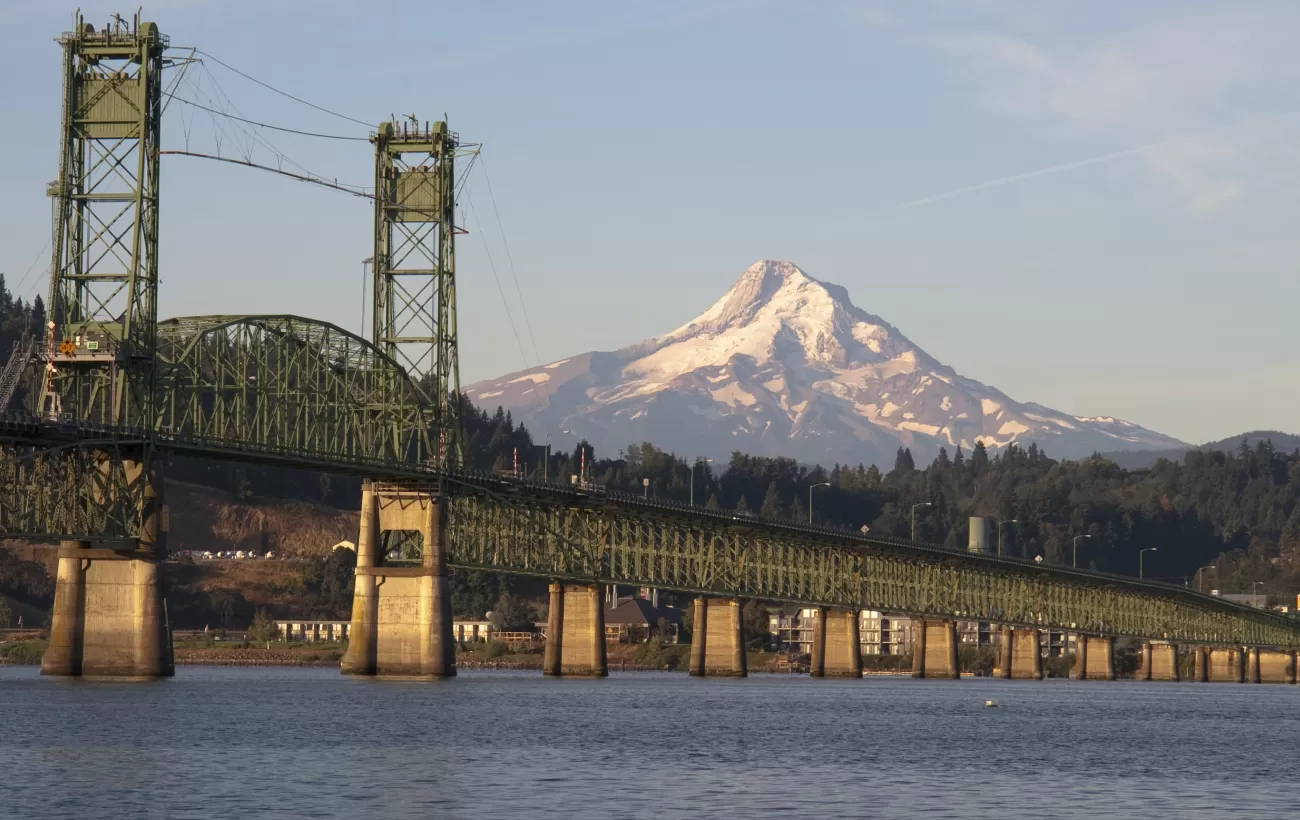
1238, 512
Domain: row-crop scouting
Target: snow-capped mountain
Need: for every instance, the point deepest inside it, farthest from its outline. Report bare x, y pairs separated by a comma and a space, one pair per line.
784, 364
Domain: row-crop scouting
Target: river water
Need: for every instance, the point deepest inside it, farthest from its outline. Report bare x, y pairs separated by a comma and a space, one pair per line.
309, 743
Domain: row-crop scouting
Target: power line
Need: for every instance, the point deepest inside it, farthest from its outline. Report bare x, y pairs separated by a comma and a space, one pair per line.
268, 125
285, 93
501, 290
511, 259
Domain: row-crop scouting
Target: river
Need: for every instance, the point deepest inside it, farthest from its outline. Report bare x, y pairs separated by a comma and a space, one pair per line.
309, 743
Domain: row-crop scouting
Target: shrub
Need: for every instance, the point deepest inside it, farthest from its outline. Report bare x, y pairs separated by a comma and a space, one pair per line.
495, 649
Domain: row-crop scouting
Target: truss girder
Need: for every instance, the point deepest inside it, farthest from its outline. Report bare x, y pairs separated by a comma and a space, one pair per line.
288, 386
710, 556
86, 490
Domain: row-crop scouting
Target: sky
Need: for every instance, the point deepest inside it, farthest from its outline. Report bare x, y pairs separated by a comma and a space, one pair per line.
1089, 205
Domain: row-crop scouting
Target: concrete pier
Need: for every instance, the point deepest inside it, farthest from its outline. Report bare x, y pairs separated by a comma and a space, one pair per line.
1094, 658
1159, 662
1005, 651
1273, 666
1252, 665
401, 615
575, 632
1227, 665
718, 639
110, 618
836, 649
934, 650
1200, 665
1026, 655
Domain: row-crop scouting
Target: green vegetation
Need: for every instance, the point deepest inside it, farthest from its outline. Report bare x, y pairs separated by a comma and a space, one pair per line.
25, 652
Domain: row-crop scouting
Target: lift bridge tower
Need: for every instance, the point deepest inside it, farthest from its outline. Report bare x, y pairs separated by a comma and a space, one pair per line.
414, 267
100, 346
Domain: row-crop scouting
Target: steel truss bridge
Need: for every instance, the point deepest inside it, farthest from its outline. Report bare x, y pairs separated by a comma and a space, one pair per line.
112, 387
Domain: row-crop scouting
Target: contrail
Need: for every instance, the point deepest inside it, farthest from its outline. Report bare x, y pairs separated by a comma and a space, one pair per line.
1067, 166
1007, 180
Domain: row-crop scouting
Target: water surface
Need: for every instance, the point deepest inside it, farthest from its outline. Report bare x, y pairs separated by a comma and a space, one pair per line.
308, 743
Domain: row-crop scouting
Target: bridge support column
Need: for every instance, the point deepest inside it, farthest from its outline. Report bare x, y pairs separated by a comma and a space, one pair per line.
575, 632
1159, 662
401, 615
1026, 655
934, 650
1273, 666
837, 648
1200, 665
1252, 665
718, 642
1005, 653
109, 617
1094, 658
1227, 665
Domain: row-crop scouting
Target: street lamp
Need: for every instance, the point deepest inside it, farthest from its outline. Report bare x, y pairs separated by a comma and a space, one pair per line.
1075, 560
1254, 594
1141, 555
914, 506
645, 482
1000, 525
698, 461
1200, 585
810, 489
546, 467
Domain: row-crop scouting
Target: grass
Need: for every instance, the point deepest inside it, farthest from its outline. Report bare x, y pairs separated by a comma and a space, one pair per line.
24, 652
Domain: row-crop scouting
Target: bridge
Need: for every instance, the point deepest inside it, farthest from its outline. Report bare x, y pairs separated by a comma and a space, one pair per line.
111, 391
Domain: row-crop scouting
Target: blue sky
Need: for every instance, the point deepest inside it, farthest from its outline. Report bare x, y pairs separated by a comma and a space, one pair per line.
1090, 205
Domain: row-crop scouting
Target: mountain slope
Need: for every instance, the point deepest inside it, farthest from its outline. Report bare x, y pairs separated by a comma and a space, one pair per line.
784, 364
1141, 459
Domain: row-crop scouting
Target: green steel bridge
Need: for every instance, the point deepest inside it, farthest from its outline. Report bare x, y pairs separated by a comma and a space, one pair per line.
112, 388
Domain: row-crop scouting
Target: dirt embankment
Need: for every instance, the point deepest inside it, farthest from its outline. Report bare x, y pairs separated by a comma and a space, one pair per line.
205, 519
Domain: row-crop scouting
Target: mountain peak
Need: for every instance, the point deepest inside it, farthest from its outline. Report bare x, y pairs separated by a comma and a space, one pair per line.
785, 364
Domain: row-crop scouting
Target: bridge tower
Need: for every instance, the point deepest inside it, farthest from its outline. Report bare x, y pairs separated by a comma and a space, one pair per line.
98, 356
401, 615
414, 265
102, 338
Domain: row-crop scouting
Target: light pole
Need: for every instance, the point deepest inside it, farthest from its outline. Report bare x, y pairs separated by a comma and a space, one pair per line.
1254, 593
1075, 560
810, 489
914, 506
645, 483
1200, 582
1141, 555
698, 461
546, 467
1000, 525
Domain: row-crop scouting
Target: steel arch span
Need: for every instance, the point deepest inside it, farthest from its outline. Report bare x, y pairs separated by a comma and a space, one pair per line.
287, 387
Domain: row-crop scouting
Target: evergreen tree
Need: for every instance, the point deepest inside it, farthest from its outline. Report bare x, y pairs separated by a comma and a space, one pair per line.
771, 503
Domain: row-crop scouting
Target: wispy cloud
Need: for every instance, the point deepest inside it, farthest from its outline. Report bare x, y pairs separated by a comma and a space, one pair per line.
1168, 84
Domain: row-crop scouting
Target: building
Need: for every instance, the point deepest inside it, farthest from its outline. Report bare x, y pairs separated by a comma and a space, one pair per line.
636, 619
307, 630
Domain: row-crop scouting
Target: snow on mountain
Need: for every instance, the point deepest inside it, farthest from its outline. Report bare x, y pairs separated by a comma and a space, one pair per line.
784, 364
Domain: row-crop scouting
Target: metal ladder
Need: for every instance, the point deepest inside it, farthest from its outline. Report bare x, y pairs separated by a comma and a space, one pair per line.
13, 371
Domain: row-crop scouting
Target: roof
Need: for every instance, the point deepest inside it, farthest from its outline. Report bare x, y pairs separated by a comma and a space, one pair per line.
640, 612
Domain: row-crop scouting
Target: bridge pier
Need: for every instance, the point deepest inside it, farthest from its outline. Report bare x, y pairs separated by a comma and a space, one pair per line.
1200, 665
109, 618
718, 639
934, 650
1252, 665
1159, 662
1094, 658
401, 615
836, 647
1005, 651
575, 632
1273, 666
1026, 654
1227, 665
